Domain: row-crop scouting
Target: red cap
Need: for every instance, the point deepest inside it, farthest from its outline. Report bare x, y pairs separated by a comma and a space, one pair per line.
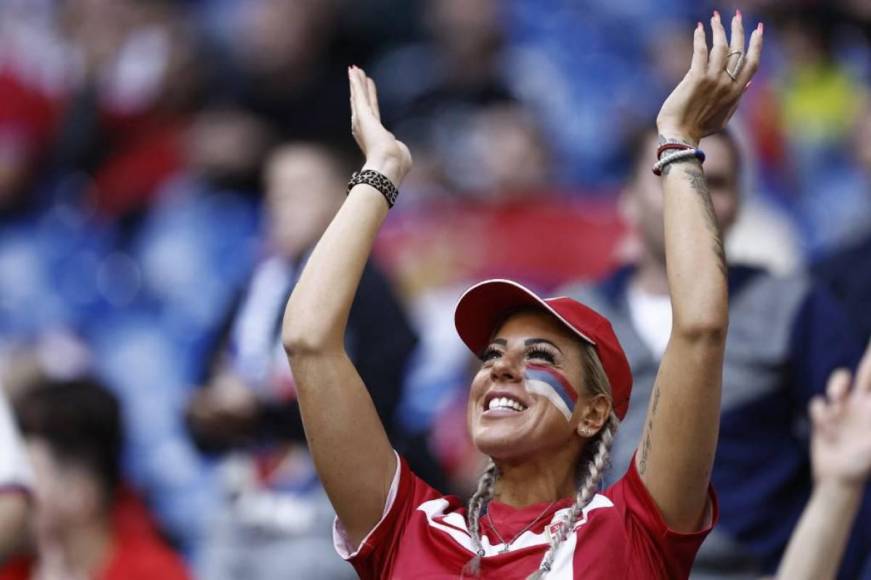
484, 306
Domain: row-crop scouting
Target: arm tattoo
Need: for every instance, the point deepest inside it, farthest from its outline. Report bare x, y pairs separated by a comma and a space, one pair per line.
700, 186
645, 447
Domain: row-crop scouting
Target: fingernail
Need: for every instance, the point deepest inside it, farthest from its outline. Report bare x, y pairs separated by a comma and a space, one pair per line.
716, 15
738, 14
698, 26
761, 28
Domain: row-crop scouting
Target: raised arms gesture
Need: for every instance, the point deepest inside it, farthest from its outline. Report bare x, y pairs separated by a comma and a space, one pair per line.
347, 441
676, 451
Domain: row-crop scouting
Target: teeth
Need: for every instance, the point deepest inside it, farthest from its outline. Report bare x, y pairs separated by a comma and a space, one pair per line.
504, 403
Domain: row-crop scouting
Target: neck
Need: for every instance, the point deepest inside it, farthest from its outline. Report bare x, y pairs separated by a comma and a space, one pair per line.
650, 275
549, 478
83, 549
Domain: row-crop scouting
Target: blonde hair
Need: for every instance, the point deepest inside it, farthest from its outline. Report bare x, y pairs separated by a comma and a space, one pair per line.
591, 467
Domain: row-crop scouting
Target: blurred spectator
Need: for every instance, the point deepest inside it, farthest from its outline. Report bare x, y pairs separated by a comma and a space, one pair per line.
459, 65
135, 84
804, 119
275, 517
16, 481
432, 91
591, 71
847, 271
82, 528
226, 146
847, 274
280, 61
501, 156
841, 457
785, 337
32, 83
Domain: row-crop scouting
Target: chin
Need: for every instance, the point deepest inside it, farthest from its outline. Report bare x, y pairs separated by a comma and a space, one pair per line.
500, 450
502, 442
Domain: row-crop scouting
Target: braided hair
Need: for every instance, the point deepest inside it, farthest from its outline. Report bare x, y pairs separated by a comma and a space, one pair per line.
591, 467
479, 499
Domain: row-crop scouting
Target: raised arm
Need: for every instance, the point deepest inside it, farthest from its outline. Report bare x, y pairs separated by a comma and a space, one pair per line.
841, 459
350, 448
676, 451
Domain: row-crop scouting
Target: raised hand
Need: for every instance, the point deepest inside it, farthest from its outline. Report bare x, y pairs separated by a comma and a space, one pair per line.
383, 151
841, 441
707, 97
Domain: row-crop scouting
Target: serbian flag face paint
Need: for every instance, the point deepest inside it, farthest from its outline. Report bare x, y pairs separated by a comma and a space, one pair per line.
553, 386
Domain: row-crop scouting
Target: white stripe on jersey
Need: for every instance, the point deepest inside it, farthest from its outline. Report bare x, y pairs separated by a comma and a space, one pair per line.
454, 525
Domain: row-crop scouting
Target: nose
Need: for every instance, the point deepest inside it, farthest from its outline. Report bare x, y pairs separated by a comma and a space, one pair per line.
508, 367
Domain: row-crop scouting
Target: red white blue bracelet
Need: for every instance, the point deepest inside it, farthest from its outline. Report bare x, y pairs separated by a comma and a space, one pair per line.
683, 153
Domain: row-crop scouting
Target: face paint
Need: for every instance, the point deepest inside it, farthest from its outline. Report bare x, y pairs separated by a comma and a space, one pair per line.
553, 386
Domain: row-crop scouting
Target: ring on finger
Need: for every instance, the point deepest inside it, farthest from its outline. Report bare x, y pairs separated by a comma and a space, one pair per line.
733, 73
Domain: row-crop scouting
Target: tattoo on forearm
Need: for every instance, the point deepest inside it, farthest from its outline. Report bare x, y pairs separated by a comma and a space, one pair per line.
700, 186
645, 446
645, 449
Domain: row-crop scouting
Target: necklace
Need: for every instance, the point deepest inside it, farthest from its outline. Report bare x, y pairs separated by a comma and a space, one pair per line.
520, 533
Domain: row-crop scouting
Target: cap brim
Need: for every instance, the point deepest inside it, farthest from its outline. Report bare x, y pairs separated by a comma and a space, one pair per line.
484, 306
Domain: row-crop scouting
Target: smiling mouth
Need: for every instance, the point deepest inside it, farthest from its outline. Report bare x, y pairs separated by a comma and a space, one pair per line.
501, 405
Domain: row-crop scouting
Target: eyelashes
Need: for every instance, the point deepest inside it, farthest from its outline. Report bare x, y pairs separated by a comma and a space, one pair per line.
489, 354
533, 352
541, 353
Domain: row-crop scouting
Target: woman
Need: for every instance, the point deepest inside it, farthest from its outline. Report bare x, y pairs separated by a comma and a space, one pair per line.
552, 386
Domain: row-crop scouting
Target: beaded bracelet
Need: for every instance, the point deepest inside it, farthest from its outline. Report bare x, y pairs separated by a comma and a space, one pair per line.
682, 155
377, 180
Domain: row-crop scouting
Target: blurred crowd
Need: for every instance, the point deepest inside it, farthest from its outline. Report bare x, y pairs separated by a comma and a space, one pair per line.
167, 165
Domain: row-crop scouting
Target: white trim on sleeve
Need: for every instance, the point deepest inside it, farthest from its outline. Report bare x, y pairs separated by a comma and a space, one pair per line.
14, 466
344, 547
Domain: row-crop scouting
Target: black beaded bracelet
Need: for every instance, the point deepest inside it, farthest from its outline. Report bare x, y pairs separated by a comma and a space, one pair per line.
378, 181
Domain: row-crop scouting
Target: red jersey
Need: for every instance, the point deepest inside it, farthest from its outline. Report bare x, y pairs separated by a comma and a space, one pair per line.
621, 534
